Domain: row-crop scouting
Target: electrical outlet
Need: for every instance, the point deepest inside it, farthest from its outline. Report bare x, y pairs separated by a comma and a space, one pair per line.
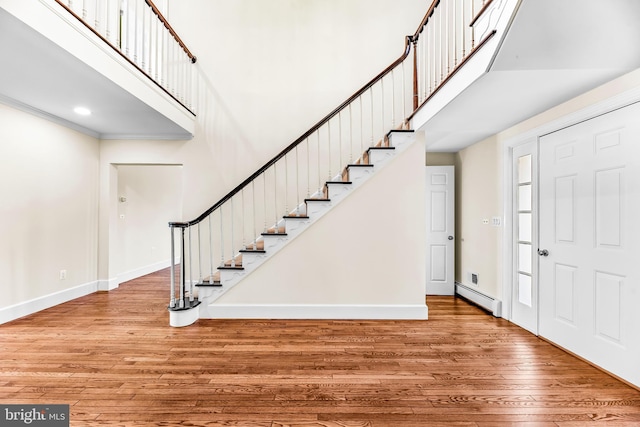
474, 278
485, 221
63, 274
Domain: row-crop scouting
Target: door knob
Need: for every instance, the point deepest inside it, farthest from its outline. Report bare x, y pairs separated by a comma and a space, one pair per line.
543, 252
450, 237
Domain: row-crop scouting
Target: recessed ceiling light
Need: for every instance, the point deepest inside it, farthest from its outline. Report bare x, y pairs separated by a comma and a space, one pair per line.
82, 111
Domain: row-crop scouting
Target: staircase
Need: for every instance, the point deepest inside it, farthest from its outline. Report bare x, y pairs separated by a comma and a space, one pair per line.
272, 207
268, 243
300, 219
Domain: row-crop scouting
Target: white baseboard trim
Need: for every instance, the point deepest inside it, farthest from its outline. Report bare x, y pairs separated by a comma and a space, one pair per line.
143, 271
108, 284
315, 311
440, 289
26, 308
488, 303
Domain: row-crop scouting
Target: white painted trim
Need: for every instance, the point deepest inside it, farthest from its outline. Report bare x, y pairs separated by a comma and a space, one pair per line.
315, 311
181, 318
26, 308
108, 284
441, 289
143, 271
477, 297
160, 137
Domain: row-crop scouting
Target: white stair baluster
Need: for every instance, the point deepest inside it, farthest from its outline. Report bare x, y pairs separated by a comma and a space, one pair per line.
319, 168
190, 266
286, 187
253, 204
221, 237
264, 202
361, 128
382, 127
350, 136
199, 257
308, 168
210, 249
340, 164
297, 197
329, 148
233, 252
243, 218
371, 96
275, 194
393, 99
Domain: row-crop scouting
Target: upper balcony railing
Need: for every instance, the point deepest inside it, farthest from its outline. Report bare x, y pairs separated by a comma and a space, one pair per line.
140, 33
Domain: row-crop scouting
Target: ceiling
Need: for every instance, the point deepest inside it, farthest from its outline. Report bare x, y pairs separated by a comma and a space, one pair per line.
553, 51
39, 76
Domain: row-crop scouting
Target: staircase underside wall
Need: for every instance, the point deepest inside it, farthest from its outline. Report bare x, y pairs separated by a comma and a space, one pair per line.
363, 259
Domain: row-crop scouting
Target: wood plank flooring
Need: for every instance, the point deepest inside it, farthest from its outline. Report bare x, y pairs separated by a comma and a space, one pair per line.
115, 360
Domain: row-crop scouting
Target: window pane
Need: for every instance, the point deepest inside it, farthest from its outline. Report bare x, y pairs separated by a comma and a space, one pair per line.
524, 258
524, 227
524, 197
524, 169
524, 289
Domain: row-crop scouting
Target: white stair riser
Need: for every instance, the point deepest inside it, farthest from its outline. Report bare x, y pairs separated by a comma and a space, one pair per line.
379, 157
315, 208
359, 173
337, 191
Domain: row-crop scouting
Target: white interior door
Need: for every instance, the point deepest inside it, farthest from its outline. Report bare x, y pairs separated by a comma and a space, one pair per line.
524, 301
440, 230
589, 228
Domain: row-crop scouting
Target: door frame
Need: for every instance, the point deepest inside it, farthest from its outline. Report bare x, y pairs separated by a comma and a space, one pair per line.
606, 105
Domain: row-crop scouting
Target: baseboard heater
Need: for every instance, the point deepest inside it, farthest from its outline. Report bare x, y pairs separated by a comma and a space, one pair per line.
488, 303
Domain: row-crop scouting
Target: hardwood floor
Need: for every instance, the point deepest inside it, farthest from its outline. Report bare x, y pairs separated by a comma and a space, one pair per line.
115, 360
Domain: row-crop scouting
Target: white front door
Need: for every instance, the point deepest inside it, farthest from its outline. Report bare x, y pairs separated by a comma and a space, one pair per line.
524, 301
589, 259
440, 230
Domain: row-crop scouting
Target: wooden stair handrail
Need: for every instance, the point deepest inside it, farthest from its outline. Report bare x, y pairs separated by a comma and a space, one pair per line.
298, 141
407, 48
168, 26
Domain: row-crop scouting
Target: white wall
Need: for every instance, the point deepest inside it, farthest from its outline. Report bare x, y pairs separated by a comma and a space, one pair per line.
48, 208
479, 198
153, 197
266, 72
269, 70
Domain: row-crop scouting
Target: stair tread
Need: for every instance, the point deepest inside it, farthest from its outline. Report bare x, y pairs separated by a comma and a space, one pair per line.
381, 148
400, 130
210, 285
253, 251
317, 200
296, 217
228, 267
338, 182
